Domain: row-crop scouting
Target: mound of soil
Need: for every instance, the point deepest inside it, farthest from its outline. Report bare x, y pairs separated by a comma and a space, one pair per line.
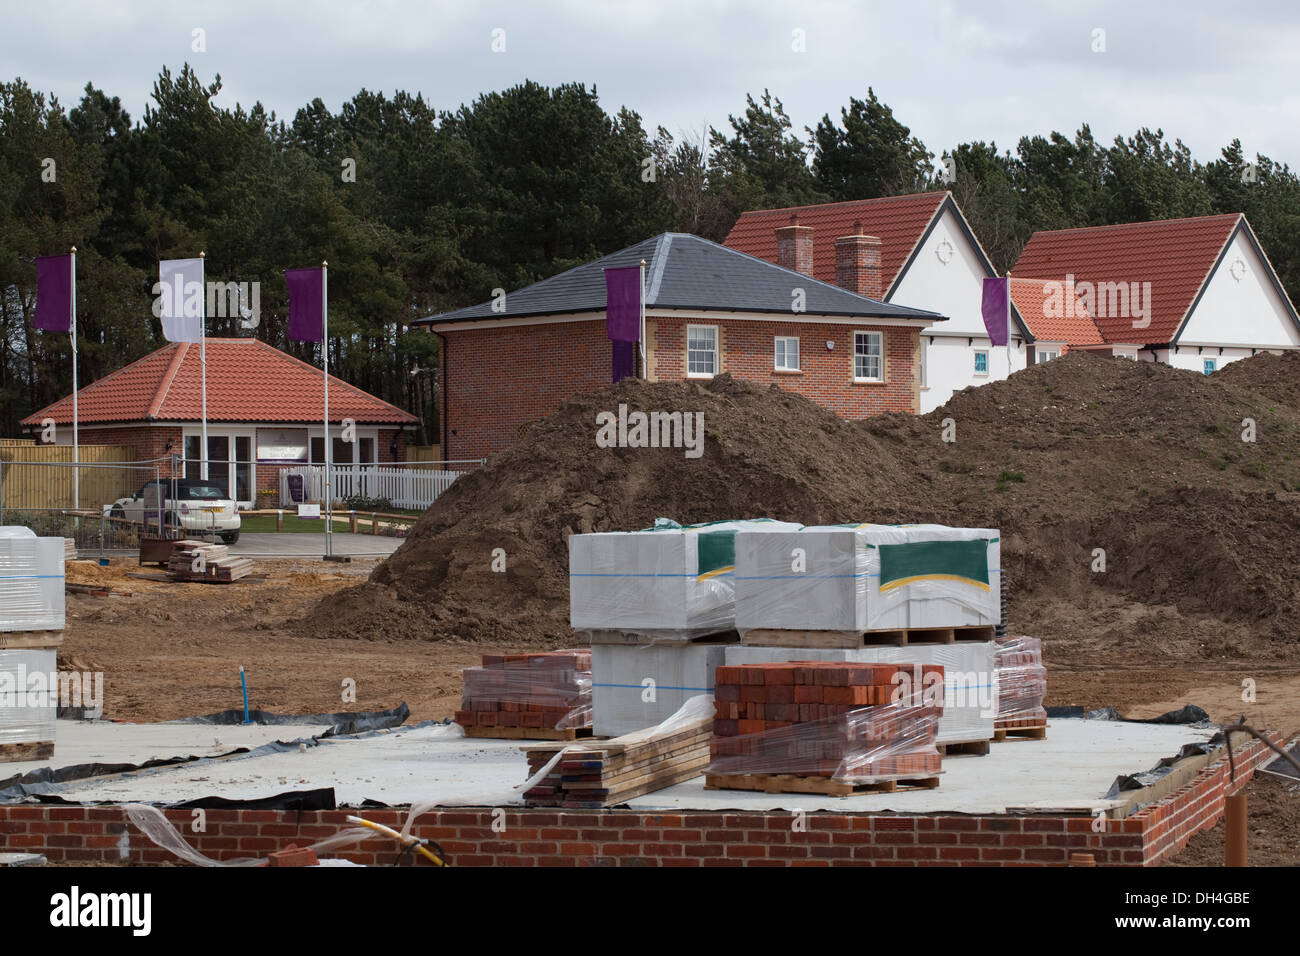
1144, 462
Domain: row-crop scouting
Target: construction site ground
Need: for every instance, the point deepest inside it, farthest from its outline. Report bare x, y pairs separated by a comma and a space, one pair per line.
167, 635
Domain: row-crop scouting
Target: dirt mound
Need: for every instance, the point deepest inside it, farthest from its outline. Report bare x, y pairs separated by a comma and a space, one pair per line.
1150, 464
1274, 376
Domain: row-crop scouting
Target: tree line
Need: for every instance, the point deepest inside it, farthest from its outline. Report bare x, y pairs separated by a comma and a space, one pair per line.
420, 209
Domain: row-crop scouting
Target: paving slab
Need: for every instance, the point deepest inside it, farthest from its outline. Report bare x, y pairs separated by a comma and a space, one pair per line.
299, 544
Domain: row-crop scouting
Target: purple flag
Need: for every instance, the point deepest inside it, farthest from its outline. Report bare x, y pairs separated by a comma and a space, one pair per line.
623, 304
996, 309
306, 304
54, 293
624, 359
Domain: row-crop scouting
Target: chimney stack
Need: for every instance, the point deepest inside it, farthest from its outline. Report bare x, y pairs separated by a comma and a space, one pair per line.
857, 263
794, 246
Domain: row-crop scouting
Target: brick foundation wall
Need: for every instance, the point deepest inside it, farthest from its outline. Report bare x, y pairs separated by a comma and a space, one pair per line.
501, 379
476, 837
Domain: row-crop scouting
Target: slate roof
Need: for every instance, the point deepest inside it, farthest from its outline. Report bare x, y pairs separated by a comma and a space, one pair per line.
248, 381
685, 272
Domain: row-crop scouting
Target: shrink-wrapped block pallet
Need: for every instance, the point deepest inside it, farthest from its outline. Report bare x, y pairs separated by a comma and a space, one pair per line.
639, 686
543, 695
824, 727
28, 702
668, 582
31, 581
868, 577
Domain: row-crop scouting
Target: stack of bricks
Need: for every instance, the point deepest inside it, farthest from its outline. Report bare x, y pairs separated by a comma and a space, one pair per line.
827, 719
550, 690
1022, 683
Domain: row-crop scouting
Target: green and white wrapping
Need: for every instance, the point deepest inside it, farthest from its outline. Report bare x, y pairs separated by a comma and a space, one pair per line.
675, 581
868, 577
31, 581
970, 692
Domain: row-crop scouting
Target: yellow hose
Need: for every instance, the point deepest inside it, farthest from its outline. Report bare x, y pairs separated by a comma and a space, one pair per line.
405, 841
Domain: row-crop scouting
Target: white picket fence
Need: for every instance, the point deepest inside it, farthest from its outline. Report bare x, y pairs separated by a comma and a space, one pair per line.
404, 487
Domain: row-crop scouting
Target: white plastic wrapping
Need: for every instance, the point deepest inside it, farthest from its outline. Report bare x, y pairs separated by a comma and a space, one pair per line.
665, 579
29, 693
970, 695
868, 577
31, 581
638, 686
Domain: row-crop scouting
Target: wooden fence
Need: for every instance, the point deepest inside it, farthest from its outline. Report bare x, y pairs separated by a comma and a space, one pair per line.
45, 477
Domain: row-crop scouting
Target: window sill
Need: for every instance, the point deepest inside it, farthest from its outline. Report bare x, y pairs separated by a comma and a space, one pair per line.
787, 371
979, 375
700, 375
869, 381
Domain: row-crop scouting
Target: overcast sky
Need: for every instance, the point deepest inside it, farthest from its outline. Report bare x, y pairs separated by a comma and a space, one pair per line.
953, 71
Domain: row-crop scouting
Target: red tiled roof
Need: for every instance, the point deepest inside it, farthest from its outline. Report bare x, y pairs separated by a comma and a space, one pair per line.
898, 222
248, 381
1174, 255
1044, 310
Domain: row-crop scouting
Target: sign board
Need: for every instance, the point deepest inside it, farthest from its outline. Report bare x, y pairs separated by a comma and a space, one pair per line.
309, 511
282, 444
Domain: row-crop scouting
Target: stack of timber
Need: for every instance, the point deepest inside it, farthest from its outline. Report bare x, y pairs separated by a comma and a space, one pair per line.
209, 563
609, 772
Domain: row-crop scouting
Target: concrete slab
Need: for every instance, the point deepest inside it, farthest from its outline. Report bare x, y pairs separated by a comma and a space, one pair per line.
1072, 769
306, 545
81, 742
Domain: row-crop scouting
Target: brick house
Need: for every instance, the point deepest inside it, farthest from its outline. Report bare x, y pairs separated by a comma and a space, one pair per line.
1192, 293
929, 259
708, 310
264, 411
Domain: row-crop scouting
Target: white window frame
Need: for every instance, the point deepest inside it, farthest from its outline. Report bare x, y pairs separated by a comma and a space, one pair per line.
1047, 355
880, 336
924, 348
1209, 366
716, 351
778, 343
975, 363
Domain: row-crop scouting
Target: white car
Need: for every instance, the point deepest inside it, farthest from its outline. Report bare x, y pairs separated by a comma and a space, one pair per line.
199, 506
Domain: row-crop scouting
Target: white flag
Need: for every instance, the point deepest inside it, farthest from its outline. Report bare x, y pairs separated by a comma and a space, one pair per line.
180, 294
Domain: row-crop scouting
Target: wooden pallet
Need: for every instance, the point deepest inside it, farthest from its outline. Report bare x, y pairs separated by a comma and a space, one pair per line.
527, 733
30, 640
975, 748
652, 636
1028, 733
902, 637
34, 750
825, 786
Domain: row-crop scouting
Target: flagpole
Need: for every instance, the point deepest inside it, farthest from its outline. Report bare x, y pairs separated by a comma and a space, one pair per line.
1008, 323
325, 352
203, 362
645, 371
76, 443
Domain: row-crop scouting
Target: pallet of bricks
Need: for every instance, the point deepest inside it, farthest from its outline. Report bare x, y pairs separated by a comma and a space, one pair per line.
32, 613
609, 772
209, 563
1022, 685
825, 727
542, 696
